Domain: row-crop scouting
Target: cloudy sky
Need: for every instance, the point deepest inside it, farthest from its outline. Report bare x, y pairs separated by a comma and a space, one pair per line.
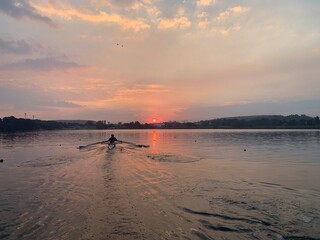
128, 60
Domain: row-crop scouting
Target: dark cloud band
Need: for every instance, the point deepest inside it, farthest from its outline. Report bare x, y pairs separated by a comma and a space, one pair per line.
21, 9
15, 47
41, 64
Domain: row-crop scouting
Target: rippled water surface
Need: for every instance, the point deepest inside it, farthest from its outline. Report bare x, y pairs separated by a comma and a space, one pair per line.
188, 184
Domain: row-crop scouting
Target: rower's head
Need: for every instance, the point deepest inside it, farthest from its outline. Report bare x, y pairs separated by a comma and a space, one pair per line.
112, 135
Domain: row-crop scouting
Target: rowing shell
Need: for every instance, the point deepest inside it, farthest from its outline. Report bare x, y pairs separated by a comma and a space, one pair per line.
111, 146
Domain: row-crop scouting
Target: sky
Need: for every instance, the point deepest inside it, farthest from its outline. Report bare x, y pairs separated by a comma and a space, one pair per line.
172, 60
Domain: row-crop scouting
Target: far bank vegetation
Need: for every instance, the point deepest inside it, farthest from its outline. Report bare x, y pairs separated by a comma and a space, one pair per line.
12, 124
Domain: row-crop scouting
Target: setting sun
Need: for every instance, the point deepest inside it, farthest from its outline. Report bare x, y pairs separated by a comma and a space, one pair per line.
155, 119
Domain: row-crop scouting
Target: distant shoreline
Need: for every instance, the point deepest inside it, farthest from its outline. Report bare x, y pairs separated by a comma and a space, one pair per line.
12, 124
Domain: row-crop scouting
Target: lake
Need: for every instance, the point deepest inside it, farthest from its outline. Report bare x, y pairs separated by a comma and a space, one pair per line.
187, 184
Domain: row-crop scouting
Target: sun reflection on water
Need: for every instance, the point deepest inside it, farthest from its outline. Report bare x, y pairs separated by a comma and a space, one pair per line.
154, 149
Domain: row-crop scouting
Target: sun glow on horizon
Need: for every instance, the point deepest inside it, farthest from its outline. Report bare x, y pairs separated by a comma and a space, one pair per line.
155, 119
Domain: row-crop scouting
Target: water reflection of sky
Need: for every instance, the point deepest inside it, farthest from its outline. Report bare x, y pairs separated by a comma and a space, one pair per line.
196, 174
261, 145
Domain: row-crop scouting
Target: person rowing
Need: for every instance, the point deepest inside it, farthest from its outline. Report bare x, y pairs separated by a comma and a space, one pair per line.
112, 142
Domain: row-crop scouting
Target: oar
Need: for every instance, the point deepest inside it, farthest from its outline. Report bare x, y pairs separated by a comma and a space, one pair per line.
136, 145
91, 144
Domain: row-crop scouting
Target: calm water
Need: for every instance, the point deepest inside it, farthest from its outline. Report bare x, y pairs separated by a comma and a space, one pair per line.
189, 184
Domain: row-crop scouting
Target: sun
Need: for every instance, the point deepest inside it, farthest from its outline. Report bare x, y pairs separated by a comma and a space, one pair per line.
154, 120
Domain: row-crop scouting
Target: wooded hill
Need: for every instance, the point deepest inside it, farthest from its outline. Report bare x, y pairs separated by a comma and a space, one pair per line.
10, 124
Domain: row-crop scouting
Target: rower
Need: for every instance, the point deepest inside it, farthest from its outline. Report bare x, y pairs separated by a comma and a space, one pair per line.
112, 139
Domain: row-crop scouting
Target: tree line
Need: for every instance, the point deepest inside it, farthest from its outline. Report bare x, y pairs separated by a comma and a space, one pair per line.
11, 124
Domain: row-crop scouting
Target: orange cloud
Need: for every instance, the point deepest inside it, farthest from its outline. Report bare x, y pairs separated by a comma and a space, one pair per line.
235, 10
203, 3
153, 11
203, 20
238, 9
178, 22
68, 13
143, 96
226, 31
203, 24
143, 90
